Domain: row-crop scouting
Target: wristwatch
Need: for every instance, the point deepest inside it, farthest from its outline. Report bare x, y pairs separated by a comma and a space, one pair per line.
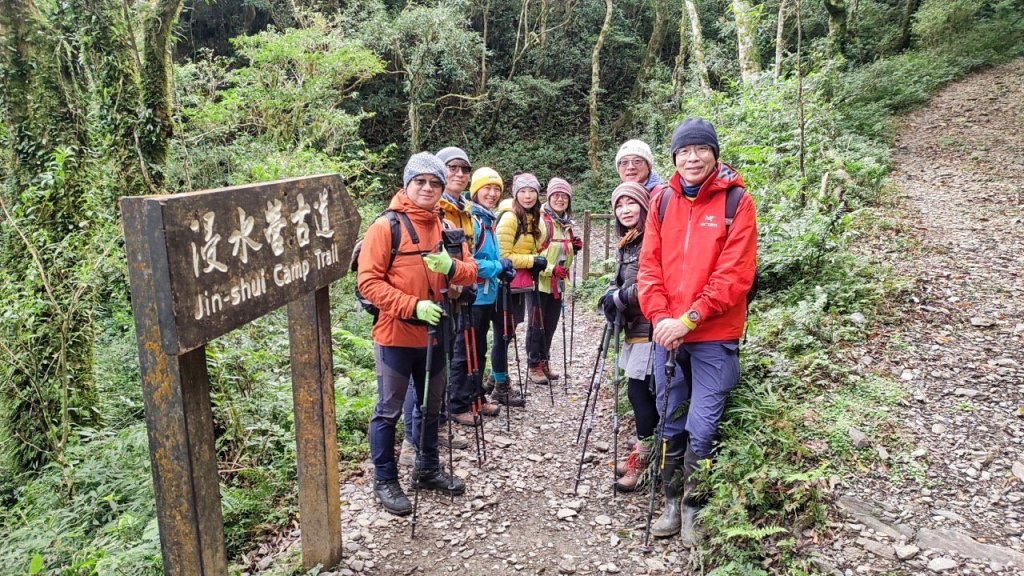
690, 319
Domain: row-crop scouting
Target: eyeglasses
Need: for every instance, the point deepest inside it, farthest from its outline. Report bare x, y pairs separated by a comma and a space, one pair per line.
698, 149
422, 182
632, 162
457, 168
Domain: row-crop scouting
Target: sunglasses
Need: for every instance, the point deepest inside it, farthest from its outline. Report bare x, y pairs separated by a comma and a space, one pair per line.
457, 168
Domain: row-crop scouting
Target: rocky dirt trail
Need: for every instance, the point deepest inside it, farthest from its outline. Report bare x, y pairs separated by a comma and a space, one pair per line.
957, 347
519, 513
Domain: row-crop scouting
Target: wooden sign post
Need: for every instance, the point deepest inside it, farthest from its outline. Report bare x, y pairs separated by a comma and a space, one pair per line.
200, 265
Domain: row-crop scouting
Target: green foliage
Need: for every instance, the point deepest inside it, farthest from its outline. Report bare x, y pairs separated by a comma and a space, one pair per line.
288, 106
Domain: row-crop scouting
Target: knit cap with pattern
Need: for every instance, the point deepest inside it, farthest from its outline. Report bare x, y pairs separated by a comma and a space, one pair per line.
424, 163
524, 180
557, 184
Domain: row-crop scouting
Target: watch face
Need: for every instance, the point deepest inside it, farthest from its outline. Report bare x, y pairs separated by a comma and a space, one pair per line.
693, 316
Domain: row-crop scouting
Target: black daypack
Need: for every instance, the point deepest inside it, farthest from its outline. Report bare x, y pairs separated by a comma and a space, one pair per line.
732, 202
397, 221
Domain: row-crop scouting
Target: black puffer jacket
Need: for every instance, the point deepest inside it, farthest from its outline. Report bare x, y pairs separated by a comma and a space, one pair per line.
638, 328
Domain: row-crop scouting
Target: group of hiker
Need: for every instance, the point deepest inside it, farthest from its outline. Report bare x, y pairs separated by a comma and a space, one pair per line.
453, 258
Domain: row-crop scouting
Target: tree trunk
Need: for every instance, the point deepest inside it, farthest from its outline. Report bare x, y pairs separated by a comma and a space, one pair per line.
836, 24
907, 23
156, 85
108, 40
651, 55
483, 50
679, 70
698, 48
779, 42
800, 98
46, 380
746, 41
595, 84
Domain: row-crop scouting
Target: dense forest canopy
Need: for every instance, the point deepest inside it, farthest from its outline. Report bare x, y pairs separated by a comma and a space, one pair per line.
101, 99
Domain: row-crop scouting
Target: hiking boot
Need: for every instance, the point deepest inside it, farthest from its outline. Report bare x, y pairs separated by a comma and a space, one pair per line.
536, 375
504, 395
457, 443
690, 531
391, 496
670, 521
488, 384
465, 418
489, 409
636, 465
439, 480
552, 376
408, 457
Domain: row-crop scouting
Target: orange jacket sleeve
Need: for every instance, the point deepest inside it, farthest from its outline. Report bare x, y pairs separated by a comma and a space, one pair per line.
373, 273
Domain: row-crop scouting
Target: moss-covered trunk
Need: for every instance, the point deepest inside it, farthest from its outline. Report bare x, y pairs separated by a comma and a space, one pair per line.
46, 331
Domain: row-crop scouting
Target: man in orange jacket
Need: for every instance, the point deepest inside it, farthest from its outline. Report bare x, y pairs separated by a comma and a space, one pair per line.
695, 271
408, 293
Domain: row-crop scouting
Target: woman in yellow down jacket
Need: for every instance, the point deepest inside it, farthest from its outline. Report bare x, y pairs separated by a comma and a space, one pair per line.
520, 239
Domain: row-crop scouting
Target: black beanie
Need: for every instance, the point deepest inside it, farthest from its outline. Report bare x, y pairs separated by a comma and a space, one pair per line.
694, 131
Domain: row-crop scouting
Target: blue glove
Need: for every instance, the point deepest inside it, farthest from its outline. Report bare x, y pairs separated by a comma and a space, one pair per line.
540, 263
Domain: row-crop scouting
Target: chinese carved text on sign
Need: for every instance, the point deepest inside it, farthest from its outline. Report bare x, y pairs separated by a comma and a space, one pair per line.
235, 254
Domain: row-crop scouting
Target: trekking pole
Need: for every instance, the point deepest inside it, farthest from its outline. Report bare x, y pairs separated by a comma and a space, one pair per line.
469, 340
565, 365
446, 306
507, 333
615, 380
572, 314
670, 373
431, 335
590, 389
593, 411
539, 313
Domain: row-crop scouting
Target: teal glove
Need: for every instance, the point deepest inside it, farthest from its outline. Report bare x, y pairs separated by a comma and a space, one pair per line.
440, 262
428, 312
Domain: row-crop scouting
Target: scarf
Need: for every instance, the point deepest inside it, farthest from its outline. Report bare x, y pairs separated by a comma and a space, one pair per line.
629, 237
563, 220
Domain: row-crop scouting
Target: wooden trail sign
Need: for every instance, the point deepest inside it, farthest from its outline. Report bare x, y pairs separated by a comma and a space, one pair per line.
200, 265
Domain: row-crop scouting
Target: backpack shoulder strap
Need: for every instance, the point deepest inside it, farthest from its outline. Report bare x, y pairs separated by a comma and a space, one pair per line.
732, 202
481, 237
666, 197
549, 227
399, 220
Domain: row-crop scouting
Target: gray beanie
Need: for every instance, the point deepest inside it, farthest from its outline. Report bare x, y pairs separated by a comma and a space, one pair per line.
524, 180
450, 153
694, 131
424, 163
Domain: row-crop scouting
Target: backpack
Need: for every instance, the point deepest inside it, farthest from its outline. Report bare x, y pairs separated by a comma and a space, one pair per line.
397, 221
520, 230
732, 202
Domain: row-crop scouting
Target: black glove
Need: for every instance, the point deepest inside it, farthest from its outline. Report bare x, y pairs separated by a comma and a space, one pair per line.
540, 263
506, 266
468, 296
607, 304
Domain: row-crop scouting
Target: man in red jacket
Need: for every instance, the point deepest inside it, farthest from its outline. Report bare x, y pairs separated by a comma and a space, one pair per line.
695, 271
